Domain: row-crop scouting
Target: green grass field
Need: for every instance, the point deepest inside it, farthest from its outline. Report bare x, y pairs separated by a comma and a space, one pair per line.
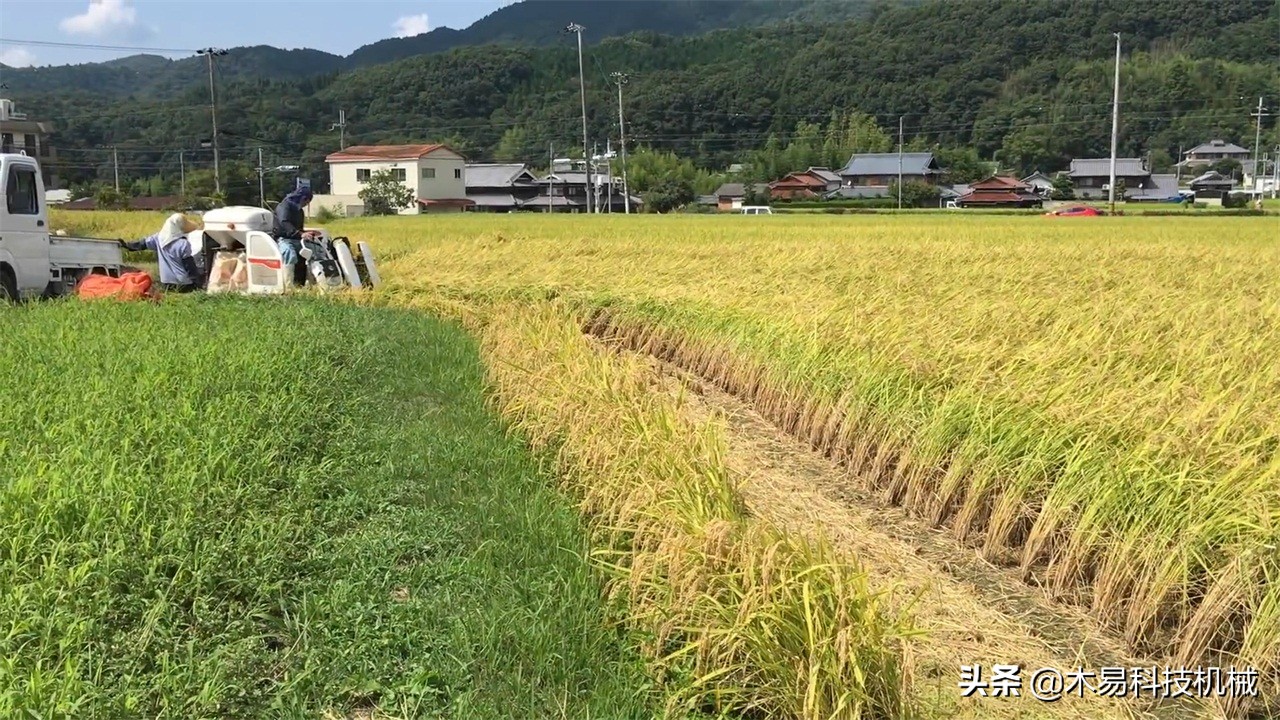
229, 508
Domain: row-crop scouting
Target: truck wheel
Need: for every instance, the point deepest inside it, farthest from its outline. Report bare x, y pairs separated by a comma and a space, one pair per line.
8, 287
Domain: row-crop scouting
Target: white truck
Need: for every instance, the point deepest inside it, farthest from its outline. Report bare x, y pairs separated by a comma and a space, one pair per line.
34, 263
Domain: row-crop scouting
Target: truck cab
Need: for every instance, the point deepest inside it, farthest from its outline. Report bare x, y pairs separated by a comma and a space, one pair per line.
33, 263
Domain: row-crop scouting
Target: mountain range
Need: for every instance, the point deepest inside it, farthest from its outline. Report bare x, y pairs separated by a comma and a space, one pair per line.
534, 23
1027, 83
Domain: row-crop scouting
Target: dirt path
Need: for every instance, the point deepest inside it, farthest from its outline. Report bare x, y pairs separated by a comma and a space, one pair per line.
973, 612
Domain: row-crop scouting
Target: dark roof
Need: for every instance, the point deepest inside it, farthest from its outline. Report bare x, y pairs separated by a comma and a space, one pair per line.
1160, 187
739, 189
1101, 167
494, 199
1217, 146
1000, 183
579, 178
914, 163
1212, 178
554, 201
447, 202
1003, 196
497, 175
857, 193
824, 174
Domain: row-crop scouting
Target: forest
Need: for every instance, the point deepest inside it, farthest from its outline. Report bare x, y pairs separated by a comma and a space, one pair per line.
1027, 84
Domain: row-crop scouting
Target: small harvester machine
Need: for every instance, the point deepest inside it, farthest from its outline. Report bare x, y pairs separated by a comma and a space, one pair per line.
240, 255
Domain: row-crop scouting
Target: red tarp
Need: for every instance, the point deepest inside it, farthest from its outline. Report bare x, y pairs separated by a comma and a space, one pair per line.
129, 286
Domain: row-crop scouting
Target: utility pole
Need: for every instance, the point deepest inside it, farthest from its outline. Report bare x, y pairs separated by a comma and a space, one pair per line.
213, 111
341, 125
582, 88
1115, 130
1275, 173
594, 187
1179, 167
182, 173
621, 79
900, 118
115, 160
551, 169
1257, 142
262, 189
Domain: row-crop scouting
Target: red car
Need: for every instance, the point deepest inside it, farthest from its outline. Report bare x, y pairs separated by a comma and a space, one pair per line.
1074, 211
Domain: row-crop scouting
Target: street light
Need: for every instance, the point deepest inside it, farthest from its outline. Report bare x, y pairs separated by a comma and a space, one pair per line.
577, 29
213, 110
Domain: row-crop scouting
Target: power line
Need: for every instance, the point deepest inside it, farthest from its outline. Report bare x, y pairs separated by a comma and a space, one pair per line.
91, 46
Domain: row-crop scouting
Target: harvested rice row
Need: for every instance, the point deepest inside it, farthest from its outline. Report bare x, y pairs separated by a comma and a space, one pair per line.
1203, 597
736, 615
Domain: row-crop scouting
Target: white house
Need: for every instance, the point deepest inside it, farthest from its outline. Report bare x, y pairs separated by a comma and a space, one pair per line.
435, 173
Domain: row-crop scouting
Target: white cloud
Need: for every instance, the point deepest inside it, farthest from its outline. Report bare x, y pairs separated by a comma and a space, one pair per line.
103, 18
411, 25
17, 57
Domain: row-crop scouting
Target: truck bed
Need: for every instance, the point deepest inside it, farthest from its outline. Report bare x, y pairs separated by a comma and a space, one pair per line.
77, 252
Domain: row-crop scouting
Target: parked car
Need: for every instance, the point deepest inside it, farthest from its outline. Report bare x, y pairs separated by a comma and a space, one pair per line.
757, 210
1074, 211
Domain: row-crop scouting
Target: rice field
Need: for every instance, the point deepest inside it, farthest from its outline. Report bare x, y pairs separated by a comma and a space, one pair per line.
1089, 402
1092, 401
220, 508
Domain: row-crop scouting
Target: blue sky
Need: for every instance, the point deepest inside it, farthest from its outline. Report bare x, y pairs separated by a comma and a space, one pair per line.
336, 26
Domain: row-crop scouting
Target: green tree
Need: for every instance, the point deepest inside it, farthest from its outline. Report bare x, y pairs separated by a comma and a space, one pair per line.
1227, 167
1063, 188
384, 194
108, 198
962, 165
516, 145
669, 195
915, 194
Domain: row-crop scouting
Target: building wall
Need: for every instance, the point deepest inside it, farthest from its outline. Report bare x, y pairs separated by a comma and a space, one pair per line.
448, 176
345, 177
438, 175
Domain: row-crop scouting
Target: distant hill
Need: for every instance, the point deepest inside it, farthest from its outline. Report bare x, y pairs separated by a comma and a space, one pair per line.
542, 22
1027, 82
530, 23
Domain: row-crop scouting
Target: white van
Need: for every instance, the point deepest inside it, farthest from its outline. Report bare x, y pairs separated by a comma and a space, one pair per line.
757, 210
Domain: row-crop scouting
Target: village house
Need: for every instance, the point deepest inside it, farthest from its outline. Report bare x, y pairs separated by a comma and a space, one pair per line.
1158, 188
812, 183
1212, 186
1040, 183
500, 187
1000, 191
881, 169
565, 190
435, 174
1212, 152
18, 134
732, 196
1090, 176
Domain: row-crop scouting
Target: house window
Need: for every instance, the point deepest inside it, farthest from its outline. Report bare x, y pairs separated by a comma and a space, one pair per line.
22, 199
457, 173
362, 174
428, 173
398, 174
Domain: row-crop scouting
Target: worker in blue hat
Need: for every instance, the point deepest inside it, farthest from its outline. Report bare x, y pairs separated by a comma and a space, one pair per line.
289, 218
